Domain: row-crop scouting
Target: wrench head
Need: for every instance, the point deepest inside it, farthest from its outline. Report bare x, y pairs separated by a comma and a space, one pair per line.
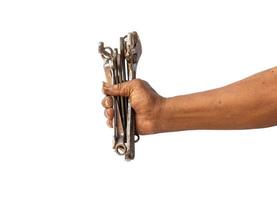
134, 49
100, 47
105, 52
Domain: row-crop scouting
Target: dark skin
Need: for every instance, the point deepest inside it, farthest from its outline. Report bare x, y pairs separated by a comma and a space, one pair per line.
248, 103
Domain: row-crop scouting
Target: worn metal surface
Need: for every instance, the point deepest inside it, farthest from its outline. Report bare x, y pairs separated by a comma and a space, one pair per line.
120, 66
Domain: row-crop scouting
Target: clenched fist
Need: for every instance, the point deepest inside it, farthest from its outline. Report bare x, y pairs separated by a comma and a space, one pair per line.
146, 102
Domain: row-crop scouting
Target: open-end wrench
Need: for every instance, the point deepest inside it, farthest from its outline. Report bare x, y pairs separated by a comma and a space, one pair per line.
111, 71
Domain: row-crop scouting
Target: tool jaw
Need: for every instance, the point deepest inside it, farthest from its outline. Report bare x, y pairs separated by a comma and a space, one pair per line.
133, 48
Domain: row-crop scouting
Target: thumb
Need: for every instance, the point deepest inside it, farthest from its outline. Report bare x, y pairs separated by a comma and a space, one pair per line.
121, 89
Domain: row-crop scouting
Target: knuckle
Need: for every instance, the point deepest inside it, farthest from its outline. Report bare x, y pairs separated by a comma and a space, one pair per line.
109, 102
138, 82
110, 113
125, 92
106, 102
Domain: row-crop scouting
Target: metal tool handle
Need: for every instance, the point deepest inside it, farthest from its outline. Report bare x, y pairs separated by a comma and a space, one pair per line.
120, 67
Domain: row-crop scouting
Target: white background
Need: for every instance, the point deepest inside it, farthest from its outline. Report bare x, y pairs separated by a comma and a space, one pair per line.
54, 143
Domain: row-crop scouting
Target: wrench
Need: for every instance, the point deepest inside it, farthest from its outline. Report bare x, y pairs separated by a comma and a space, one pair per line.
121, 66
132, 54
110, 68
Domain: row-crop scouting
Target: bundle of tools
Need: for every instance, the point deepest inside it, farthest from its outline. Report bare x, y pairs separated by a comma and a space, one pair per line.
121, 66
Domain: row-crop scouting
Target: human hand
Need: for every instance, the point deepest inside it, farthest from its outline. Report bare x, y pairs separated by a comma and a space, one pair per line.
146, 102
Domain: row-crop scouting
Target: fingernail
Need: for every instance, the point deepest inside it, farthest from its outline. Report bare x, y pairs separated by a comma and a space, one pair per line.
106, 102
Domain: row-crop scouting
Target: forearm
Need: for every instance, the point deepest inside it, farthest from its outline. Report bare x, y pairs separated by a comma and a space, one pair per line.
249, 103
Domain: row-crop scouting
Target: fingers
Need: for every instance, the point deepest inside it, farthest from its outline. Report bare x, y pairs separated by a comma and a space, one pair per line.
121, 89
107, 102
109, 113
109, 123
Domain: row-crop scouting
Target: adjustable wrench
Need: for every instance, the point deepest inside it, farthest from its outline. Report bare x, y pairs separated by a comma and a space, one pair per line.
132, 55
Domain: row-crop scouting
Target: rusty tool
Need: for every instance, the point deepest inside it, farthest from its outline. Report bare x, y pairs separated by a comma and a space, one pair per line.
121, 66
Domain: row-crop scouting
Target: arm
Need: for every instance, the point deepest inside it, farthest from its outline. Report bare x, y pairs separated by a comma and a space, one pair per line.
249, 103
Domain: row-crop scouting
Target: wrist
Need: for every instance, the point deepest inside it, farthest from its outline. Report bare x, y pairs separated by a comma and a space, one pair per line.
166, 114
159, 115
182, 113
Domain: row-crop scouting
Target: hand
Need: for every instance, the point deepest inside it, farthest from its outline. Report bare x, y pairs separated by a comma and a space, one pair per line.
146, 102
